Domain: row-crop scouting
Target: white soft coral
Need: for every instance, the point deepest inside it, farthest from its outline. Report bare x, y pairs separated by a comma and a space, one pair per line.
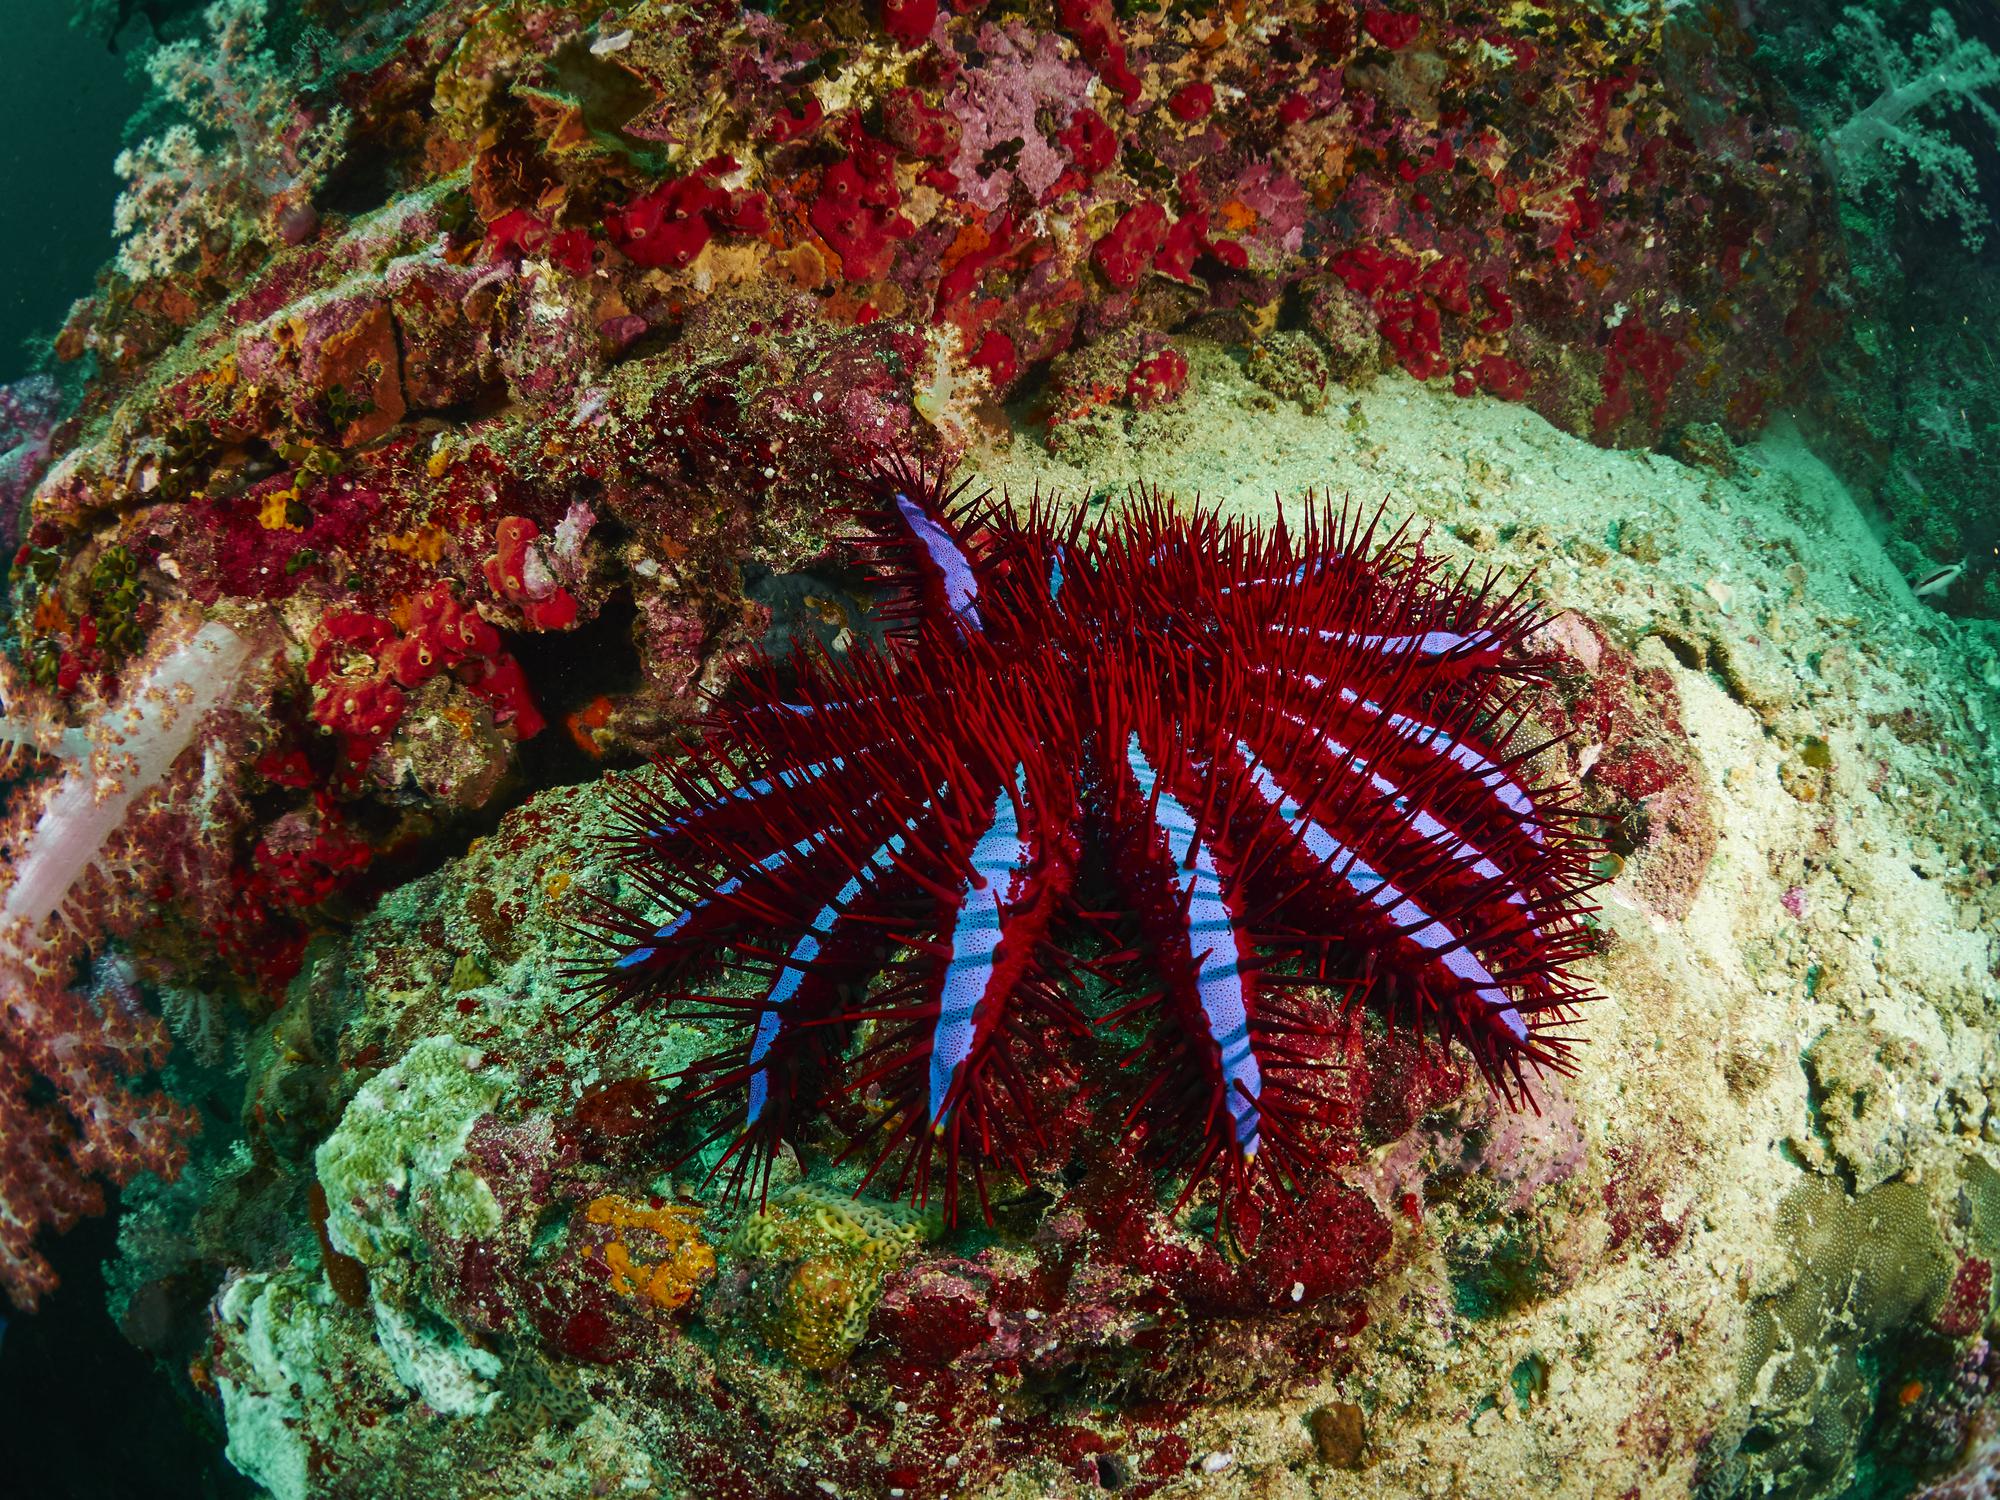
133, 747
248, 151
1898, 129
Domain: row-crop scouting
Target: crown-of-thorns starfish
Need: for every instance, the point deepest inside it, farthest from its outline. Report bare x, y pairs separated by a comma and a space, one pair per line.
1215, 771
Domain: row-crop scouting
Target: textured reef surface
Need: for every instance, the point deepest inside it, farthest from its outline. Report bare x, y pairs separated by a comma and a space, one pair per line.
485, 403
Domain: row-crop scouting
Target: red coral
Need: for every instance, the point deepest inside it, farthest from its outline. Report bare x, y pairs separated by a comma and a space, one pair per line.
1375, 273
1392, 29
1192, 101
1187, 239
1411, 325
666, 227
573, 250
673, 223
918, 127
306, 872
289, 767
1089, 141
362, 710
1581, 217
457, 633
974, 252
1130, 245
1156, 380
1441, 158
1655, 358
909, 21
351, 700
928, 1314
1094, 24
995, 355
361, 664
855, 210
1969, 1299
791, 123
1497, 375
516, 233
501, 683
1409, 299
543, 603
520, 233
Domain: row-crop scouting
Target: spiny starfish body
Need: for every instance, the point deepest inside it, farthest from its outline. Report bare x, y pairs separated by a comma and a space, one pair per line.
1230, 771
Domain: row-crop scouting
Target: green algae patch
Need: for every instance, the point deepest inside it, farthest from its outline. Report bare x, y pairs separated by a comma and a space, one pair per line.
1980, 1185
1529, 1380
280, 1327
1499, 1277
398, 1147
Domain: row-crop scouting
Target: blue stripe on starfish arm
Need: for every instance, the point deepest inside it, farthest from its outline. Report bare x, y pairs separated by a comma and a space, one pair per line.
961, 584
775, 860
1216, 947
1507, 789
999, 864
749, 791
800, 959
1292, 579
1418, 819
1411, 920
1434, 644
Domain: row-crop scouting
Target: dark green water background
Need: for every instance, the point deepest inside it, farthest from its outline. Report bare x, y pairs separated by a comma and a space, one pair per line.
63, 110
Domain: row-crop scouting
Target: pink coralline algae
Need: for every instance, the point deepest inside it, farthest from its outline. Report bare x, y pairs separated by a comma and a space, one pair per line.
1968, 1300
1004, 155
1638, 771
1976, 1476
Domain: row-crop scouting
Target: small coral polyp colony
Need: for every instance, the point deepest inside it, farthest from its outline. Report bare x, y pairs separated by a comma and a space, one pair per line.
1245, 781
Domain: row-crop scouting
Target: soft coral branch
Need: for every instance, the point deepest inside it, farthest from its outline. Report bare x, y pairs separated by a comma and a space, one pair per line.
57, 1045
1940, 70
248, 152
